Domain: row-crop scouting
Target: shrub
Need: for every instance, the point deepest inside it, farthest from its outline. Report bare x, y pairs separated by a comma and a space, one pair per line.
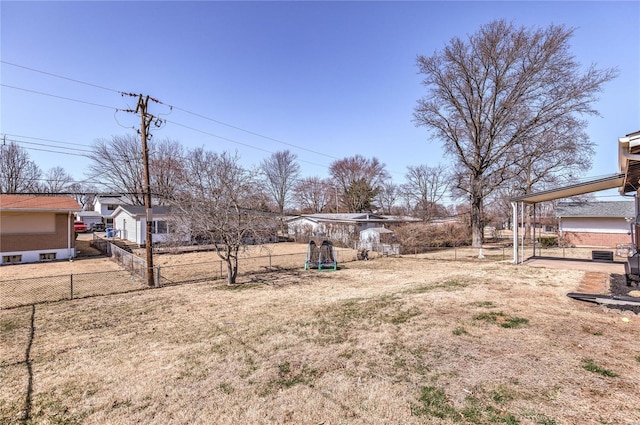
549, 241
417, 237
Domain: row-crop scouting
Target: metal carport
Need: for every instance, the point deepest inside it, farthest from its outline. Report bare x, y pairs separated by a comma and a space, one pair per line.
626, 180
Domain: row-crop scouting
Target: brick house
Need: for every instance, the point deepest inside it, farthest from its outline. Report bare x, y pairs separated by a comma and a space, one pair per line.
36, 228
596, 224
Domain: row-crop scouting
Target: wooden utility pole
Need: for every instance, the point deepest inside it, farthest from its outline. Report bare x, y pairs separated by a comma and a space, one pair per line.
145, 120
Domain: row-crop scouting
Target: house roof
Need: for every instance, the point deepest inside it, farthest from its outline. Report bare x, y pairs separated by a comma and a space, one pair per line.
608, 209
89, 214
353, 217
140, 210
38, 203
114, 200
377, 230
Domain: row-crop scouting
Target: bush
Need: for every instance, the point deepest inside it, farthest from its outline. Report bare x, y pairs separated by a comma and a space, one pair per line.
418, 237
549, 241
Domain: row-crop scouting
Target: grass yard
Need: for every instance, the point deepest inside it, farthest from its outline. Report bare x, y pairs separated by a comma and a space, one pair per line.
389, 341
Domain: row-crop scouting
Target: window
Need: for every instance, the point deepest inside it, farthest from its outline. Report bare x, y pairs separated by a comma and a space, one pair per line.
11, 259
160, 226
111, 207
48, 256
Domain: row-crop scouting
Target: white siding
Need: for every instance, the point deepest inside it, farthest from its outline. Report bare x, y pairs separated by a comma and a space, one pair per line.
594, 225
34, 256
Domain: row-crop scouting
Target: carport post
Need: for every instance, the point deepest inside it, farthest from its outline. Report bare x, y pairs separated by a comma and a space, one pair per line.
514, 225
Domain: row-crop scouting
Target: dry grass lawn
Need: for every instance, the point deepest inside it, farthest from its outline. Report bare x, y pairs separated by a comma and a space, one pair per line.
389, 341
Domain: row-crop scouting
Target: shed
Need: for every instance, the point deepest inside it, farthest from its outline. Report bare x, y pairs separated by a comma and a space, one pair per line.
129, 222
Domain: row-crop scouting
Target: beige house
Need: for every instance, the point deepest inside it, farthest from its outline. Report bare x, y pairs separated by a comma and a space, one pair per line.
37, 228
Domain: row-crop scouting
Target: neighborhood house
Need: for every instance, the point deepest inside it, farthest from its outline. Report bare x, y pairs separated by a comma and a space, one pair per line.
37, 228
347, 228
597, 224
129, 222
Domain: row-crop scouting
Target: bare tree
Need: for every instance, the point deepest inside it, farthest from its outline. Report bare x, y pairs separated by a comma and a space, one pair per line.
388, 196
356, 177
166, 171
84, 194
18, 173
56, 180
495, 91
118, 162
314, 195
222, 205
425, 188
559, 153
281, 171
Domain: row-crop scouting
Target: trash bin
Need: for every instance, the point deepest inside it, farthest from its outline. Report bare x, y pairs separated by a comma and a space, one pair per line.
109, 231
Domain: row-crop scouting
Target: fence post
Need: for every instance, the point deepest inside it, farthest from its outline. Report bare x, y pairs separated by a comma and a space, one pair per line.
269, 261
157, 280
220, 269
71, 286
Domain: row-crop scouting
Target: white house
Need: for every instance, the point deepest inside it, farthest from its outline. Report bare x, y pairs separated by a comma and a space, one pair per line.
106, 205
129, 222
340, 227
597, 224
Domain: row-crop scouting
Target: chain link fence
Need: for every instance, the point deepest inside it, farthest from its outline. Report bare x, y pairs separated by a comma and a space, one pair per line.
20, 292
215, 270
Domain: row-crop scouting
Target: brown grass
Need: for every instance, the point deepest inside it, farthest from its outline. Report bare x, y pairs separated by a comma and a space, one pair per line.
403, 341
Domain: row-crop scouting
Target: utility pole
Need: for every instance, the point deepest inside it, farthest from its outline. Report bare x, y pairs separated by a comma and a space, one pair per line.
145, 120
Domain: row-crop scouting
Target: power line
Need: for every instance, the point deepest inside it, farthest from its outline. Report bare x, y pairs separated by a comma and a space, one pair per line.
236, 142
253, 133
42, 144
173, 122
59, 76
56, 96
45, 140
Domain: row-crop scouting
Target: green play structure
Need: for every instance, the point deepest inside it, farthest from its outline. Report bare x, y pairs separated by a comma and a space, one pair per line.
321, 256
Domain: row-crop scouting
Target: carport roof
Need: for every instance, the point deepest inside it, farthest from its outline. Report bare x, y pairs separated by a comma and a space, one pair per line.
602, 183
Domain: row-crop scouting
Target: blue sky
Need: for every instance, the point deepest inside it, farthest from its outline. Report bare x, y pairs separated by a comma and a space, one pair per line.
326, 80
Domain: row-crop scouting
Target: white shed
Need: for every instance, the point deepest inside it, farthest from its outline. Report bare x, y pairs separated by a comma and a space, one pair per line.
129, 222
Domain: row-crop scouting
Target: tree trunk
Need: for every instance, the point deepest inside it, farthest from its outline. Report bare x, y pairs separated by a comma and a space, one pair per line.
232, 267
477, 225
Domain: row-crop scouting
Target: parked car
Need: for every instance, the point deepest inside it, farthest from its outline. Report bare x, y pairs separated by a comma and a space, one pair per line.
97, 227
79, 226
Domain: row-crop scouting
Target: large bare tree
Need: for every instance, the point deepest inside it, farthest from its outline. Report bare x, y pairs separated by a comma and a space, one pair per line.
359, 179
494, 91
222, 203
425, 188
56, 180
18, 173
314, 195
281, 172
118, 163
388, 196
84, 193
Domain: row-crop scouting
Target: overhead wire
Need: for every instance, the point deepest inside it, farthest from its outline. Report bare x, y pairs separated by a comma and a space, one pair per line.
57, 96
170, 106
